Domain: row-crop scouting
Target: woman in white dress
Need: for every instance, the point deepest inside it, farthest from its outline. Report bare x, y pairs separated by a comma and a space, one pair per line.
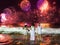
32, 35
39, 32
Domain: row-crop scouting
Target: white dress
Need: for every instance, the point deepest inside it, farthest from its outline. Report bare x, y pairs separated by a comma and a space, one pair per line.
32, 33
39, 29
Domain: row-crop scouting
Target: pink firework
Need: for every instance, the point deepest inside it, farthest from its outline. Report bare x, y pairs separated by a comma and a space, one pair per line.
9, 16
3, 17
25, 5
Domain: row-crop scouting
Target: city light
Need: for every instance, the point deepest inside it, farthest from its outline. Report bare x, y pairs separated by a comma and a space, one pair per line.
45, 25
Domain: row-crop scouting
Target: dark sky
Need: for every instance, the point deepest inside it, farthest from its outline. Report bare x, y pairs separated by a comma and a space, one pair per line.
7, 3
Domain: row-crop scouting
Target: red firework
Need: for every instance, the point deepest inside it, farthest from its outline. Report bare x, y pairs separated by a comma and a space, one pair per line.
25, 5
44, 7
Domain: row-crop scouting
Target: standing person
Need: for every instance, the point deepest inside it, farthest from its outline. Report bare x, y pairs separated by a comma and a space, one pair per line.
39, 31
25, 28
32, 35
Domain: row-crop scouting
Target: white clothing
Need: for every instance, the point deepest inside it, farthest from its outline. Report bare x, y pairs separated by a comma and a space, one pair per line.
32, 34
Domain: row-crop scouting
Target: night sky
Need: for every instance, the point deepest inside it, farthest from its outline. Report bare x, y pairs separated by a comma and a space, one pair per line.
14, 3
7, 3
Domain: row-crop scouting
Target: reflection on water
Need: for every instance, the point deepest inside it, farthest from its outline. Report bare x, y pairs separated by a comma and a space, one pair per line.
51, 39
